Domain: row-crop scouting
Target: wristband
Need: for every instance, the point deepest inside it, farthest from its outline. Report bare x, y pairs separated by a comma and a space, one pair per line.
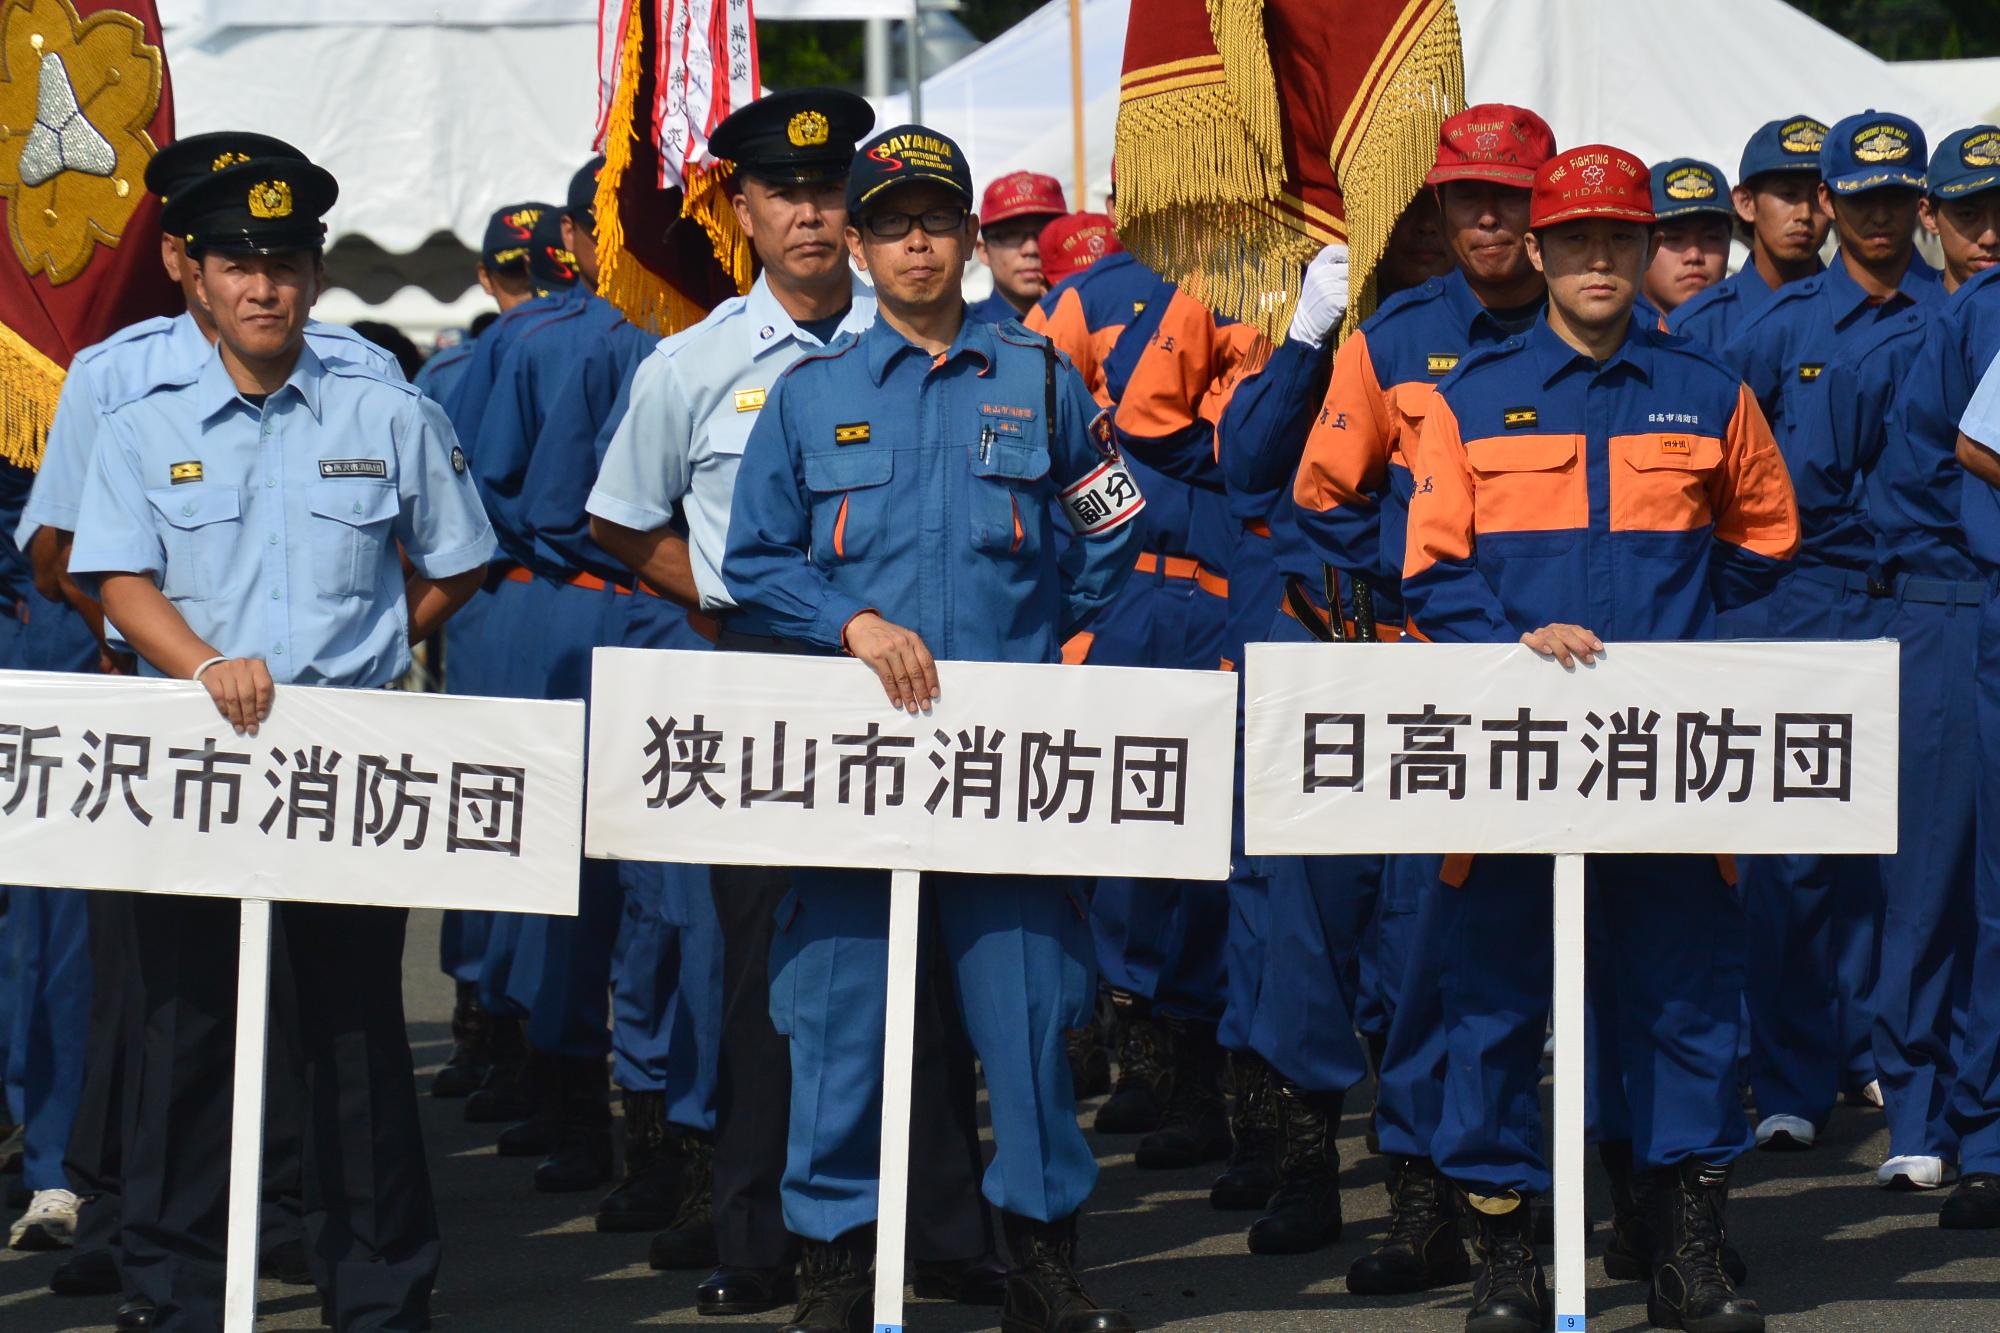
205, 666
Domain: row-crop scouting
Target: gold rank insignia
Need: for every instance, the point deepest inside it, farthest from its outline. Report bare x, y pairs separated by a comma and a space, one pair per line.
181, 473
808, 129
1442, 363
749, 400
1518, 418
228, 160
1809, 371
271, 199
854, 432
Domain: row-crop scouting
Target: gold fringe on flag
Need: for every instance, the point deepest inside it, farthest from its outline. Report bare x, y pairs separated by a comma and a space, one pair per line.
647, 299
30, 383
1238, 29
1387, 143
706, 200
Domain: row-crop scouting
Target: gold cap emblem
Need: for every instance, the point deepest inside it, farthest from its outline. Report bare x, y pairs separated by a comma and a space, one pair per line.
808, 129
271, 199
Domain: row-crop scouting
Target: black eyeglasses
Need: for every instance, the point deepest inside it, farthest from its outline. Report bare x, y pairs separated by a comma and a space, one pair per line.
934, 221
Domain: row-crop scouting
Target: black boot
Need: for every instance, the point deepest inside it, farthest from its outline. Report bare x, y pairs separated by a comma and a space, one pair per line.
539, 1131
1304, 1212
1089, 1063
581, 1157
1043, 1295
835, 1292
1251, 1177
1378, 1046
1690, 1288
1511, 1294
503, 1096
1136, 1102
471, 1046
688, 1243
1974, 1205
1194, 1124
1422, 1250
647, 1196
1628, 1255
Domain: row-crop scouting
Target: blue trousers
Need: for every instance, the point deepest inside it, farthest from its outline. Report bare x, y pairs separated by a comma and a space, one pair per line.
1674, 928
1409, 1096
1929, 934
1018, 950
51, 1026
1974, 1110
1814, 921
498, 655
666, 1008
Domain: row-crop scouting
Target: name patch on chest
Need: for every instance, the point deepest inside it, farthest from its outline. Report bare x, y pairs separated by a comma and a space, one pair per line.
1442, 363
1106, 498
179, 474
1809, 371
749, 400
353, 467
1007, 411
854, 432
1518, 418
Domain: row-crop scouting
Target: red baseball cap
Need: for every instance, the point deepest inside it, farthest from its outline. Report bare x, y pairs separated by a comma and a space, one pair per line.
1074, 242
1492, 142
1594, 181
1022, 194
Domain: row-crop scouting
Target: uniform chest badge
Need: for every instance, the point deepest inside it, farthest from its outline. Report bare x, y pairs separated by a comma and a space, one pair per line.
854, 432
180, 474
1441, 363
1809, 371
1675, 445
1518, 418
353, 467
749, 400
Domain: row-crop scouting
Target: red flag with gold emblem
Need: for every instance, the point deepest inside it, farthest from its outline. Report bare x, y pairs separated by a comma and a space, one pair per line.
1251, 133
84, 104
669, 248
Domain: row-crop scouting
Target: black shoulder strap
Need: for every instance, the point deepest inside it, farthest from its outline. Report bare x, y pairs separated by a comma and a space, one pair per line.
1049, 383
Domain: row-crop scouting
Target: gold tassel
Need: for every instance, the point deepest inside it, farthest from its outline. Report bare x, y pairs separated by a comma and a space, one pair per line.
1238, 29
30, 384
1396, 143
706, 200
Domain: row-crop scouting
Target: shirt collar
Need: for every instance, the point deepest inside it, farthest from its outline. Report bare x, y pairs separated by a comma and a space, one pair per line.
1848, 296
884, 346
768, 326
1554, 358
215, 391
1467, 312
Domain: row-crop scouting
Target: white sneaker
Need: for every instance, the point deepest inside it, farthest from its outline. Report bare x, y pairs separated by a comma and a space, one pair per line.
49, 1223
1911, 1172
1785, 1133
1870, 1095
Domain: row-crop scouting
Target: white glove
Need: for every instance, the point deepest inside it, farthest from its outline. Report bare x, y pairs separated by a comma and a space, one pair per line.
1322, 297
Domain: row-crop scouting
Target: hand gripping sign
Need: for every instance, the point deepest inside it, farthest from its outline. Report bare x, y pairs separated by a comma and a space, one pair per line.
1712, 747
1041, 770
365, 797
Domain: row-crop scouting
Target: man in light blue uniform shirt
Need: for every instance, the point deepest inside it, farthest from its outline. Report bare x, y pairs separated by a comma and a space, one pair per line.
132, 362
247, 530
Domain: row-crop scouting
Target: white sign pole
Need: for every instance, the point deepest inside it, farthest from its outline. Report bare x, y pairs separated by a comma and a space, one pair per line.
898, 1055
1569, 936
246, 1128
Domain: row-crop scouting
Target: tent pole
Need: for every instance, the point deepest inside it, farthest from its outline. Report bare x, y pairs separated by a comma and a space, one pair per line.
913, 38
1076, 96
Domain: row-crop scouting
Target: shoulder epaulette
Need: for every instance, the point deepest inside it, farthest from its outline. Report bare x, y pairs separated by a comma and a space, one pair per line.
833, 351
131, 333
361, 370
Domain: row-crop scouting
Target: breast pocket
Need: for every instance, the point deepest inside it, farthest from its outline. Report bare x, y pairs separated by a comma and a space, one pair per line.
1529, 495
1660, 483
199, 526
1010, 502
350, 534
850, 504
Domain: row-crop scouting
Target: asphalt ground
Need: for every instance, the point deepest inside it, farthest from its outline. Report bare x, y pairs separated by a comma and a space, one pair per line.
1826, 1248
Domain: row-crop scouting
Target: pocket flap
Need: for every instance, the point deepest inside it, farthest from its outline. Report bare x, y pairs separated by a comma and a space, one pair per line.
1522, 453
1011, 462
357, 502
847, 471
1682, 453
196, 506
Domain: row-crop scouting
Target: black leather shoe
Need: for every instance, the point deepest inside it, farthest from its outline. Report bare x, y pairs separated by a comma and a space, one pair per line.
1251, 1175
286, 1263
729, 1291
135, 1314
1194, 1123
1511, 1293
1304, 1212
1043, 1294
1690, 1289
86, 1273
1422, 1250
1974, 1205
688, 1243
835, 1292
1140, 1094
650, 1192
1628, 1255
981, 1281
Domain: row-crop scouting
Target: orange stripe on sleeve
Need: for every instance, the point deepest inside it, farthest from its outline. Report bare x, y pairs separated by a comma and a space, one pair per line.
1162, 396
1441, 510
1751, 496
1346, 459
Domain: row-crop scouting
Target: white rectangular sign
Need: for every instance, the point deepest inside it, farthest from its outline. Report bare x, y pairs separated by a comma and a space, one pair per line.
755, 759
343, 796
1659, 747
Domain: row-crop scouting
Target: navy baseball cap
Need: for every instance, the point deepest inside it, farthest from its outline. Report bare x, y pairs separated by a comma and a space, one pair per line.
900, 156
509, 233
1689, 185
1967, 162
1873, 151
550, 265
1791, 143
580, 206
